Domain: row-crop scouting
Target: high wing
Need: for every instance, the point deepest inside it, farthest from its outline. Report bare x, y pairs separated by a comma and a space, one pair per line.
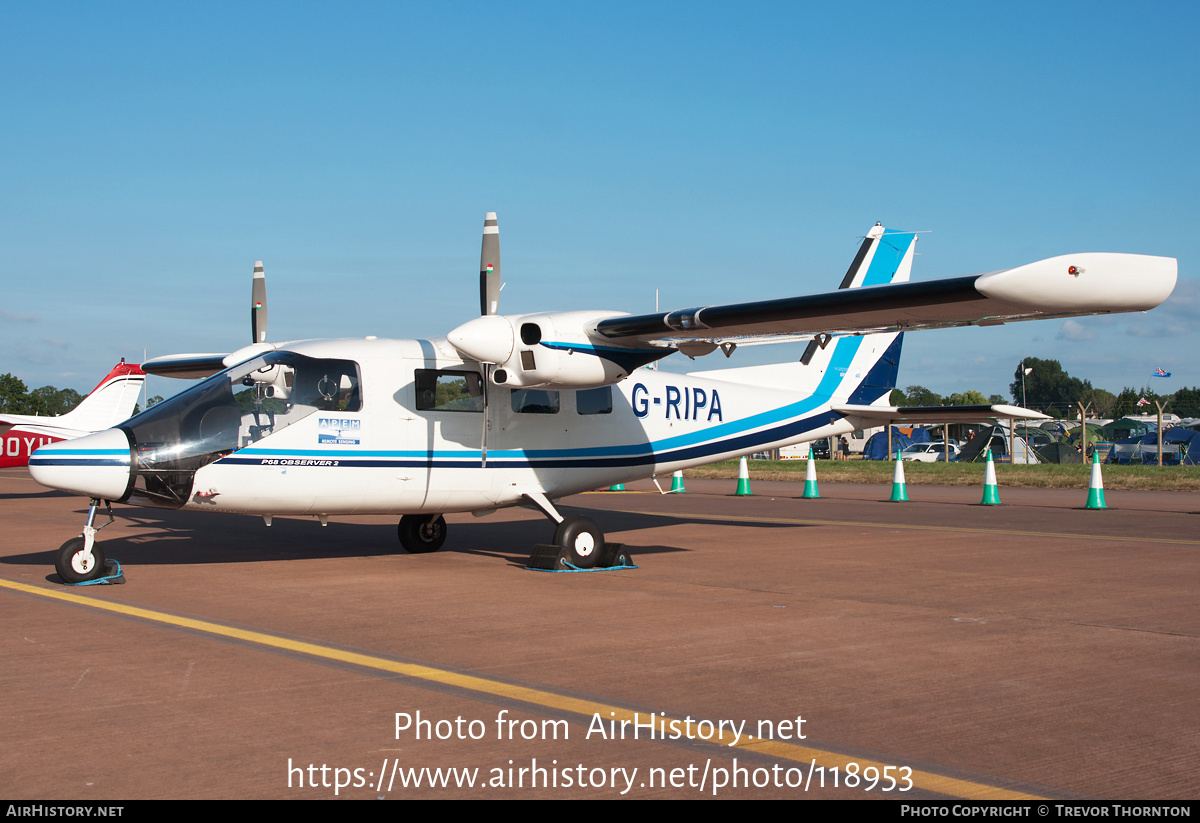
1065, 286
196, 366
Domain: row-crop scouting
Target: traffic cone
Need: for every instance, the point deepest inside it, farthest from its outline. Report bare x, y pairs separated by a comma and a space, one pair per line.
743, 486
677, 483
620, 487
1096, 488
810, 478
899, 492
991, 495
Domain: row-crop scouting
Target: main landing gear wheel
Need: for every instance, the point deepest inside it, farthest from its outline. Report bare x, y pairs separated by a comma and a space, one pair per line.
581, 541
74, 565
419, 536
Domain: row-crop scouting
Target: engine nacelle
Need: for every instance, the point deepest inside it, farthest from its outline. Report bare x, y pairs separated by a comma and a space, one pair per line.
536, 350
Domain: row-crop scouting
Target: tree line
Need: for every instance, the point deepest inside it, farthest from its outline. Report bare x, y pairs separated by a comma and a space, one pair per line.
1049, 389
16, 398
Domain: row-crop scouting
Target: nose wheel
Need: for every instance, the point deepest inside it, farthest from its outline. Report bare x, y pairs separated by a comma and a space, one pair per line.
77, 562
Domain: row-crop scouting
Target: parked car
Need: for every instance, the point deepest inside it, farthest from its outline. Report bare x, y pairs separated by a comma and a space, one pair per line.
928, 452
820, 449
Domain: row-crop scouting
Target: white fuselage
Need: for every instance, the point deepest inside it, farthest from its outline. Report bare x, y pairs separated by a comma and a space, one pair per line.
394, 458
384, 452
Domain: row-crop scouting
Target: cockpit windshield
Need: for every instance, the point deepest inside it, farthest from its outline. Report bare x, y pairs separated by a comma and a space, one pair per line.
230, 411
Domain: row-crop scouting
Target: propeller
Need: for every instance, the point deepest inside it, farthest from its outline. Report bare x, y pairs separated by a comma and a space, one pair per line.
489, 303
489, 266
258, 304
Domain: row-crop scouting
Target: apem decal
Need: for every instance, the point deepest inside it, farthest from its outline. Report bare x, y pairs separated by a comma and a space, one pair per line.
339, 431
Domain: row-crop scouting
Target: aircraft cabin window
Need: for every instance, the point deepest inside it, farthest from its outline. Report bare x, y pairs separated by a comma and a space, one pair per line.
594, 401
534, 401
450, 391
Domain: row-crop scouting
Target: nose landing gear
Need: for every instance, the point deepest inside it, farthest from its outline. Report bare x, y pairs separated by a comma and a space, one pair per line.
80, 559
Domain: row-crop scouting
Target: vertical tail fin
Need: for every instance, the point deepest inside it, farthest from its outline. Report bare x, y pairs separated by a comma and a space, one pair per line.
884, 257
869, 365
856, 369
109, 403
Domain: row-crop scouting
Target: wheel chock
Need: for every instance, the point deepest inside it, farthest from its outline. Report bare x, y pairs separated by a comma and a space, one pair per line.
547, 557
113, 576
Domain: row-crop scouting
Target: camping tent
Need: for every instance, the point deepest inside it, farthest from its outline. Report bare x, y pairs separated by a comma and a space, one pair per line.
1120, 429
996, 439
876, 447
1175, 446
1059, 453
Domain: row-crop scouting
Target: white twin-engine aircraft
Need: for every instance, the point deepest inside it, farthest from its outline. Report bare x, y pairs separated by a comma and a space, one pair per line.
526, 409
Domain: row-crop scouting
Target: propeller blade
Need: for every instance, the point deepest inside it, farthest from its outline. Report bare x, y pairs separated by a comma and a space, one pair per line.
258, 305
489, 266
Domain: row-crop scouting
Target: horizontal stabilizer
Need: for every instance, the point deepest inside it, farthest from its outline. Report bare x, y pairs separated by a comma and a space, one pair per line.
882, 415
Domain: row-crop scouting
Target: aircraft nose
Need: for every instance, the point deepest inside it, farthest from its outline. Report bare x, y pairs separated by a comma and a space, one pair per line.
96, 465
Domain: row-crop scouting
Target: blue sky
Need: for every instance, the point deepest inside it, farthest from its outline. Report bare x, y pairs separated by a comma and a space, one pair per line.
152, 152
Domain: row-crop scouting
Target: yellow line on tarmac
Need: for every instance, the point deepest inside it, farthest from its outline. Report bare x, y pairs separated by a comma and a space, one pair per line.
797, 521
927, 781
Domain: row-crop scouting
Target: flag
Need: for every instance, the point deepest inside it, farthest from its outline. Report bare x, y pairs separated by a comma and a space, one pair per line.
1143, 401
1161, 373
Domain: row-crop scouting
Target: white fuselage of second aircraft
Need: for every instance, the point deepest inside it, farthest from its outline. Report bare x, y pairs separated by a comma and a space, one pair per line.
402, 427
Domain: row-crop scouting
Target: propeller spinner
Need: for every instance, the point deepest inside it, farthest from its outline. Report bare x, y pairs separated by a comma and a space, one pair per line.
489, 266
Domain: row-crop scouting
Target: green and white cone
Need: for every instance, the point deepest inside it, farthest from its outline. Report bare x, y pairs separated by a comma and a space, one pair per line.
743, 487
899, 492
1096, 488
677, 483
620, 487
810, 478
991, 494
